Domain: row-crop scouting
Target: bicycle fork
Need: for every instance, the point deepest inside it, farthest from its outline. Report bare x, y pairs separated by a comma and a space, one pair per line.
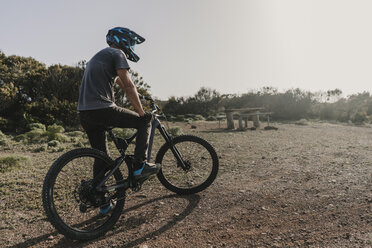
168, 139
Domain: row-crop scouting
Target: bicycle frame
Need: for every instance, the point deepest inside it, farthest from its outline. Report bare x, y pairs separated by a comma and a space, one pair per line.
122, 145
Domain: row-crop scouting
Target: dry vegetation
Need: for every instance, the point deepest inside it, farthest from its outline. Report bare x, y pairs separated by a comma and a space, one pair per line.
307, 185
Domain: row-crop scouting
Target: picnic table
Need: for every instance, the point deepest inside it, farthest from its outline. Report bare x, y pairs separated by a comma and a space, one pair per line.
244, 113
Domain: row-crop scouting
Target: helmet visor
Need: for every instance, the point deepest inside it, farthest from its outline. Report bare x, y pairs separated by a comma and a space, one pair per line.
132, 45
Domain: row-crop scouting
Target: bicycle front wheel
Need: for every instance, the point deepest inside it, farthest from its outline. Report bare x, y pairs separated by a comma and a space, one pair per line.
70, 198
197, 155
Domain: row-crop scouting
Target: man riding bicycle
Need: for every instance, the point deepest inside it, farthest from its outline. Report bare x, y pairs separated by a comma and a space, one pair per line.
97, 108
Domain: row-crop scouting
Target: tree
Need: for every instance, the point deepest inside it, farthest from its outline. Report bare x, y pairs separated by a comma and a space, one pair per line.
142, 88
334, 95
8, 96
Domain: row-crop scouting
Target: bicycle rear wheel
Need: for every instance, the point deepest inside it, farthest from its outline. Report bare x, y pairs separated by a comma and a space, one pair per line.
71, 201
200, 158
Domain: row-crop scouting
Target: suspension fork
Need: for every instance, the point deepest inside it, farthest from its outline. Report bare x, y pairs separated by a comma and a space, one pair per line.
168, 139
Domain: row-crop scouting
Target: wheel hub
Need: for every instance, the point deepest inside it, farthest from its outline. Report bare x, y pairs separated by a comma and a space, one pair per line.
187, 165
86, 194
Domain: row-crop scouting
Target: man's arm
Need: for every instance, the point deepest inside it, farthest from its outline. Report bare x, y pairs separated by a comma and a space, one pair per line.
130, 89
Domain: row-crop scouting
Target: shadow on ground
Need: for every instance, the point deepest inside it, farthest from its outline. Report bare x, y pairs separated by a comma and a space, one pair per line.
193, 201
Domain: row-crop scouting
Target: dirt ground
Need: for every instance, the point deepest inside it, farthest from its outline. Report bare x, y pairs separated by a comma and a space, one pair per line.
299, 186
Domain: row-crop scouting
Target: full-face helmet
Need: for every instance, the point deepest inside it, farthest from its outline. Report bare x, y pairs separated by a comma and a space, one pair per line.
124, 39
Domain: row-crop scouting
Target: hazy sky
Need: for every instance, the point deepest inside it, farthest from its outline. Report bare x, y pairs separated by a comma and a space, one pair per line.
229, 45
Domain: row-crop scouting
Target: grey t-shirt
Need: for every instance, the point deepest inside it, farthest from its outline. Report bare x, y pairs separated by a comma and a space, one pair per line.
97, 86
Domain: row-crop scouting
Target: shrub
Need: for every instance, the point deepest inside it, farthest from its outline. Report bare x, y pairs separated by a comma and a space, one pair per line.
4, 124
179, 118
170, 117
175, 131
3, 138
42, 148
52, 111
193, 117
39, 134
21, 137
10, 163
123, 132
189, 116
199, 118
36, 136
55, 128
58, 149
58, 136
211, 118
359, 117
53, 143
55, 132
37, 126
302, 122
78, 144
75, 134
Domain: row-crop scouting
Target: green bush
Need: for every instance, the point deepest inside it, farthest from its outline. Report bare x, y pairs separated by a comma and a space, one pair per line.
41, 148
3, 138
123, 132
10, 163
4, 124
37, 126
55, 132
21, 137
40, 134
175, 131
302, 122
58, 149
36, 136
359, 117
58, 136
193, 117
78, 144
189, 116
55, 129
53, 143
53, 110
212, 118
170, 117
75, 134
199, 118
179, 118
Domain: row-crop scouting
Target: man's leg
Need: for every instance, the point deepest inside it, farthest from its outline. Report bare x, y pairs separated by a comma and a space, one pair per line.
124, 118
96, 135
97, 140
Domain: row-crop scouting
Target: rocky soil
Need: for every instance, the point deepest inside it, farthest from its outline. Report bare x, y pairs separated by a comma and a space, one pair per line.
299, 186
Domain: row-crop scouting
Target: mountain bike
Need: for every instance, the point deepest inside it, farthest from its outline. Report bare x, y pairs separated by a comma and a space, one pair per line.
72, 197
